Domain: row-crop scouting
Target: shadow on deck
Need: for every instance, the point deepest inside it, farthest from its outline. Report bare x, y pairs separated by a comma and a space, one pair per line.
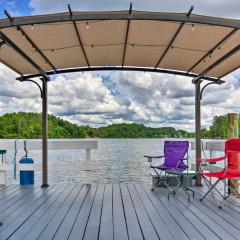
112, 211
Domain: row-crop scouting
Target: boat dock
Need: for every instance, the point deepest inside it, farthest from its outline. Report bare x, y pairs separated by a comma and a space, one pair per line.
112, 211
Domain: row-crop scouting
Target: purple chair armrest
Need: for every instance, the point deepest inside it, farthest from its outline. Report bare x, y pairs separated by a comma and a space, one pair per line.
153, 156
150, 157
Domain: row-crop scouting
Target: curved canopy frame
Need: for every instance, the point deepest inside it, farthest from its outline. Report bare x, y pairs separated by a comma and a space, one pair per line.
200, 47
213, 45
122, 15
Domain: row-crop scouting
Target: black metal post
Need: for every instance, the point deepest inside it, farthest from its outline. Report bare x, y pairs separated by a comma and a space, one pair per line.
198, 98
44, 133
198, 130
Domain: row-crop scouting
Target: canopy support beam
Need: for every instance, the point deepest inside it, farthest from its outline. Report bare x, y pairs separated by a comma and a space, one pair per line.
198, 98
78, 35
36, 48
113, 68
79, 16
19, 28
36, 83
173, 38
22, 54
219, 61
126, 37
213, 49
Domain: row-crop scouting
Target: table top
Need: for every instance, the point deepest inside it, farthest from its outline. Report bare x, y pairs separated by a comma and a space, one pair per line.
182, 173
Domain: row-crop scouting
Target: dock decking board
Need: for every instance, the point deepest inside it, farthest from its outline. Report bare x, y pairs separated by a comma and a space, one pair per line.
35, 218
112, 211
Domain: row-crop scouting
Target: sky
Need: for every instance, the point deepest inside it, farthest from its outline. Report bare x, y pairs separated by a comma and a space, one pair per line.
102, 98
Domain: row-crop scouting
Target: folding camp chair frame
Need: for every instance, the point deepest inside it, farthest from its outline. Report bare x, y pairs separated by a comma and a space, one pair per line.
212, 186
224, 197
162, 180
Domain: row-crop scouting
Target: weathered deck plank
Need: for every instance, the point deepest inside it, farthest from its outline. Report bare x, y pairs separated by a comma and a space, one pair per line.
208, 217
155, 217
119, 220
49, 215
112, 212
93, 224
146, 225
53, 225
132, 223
170, 222
67, 224
20, 215
106, 225
80, 223
34, 219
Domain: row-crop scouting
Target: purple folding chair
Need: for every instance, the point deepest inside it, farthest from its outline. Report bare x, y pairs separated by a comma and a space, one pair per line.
175, 152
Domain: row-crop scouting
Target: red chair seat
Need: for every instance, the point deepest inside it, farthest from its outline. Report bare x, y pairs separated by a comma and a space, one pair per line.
222, 174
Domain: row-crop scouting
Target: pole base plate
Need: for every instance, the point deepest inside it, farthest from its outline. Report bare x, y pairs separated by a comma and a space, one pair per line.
45, 185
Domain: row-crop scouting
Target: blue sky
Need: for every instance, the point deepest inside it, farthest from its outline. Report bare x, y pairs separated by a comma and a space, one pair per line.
104, 98
220, 8
18, 7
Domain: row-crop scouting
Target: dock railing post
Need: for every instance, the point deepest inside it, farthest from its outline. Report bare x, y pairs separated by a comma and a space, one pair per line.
88, 154
44, 133
233, 133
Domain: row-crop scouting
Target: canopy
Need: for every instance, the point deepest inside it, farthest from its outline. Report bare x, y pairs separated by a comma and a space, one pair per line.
184, 44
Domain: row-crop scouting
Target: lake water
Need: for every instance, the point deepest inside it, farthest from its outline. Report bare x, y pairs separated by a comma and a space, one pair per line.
117, 160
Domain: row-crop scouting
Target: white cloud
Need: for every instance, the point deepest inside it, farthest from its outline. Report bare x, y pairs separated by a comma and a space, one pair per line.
99, 99
81, 94
113, 97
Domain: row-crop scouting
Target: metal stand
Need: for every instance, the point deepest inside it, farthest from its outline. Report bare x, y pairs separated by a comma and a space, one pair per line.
44, 134
43, 91
198, 130
198, 98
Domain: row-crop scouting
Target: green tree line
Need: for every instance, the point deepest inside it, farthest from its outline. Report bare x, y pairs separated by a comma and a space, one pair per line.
219, 128
29, 125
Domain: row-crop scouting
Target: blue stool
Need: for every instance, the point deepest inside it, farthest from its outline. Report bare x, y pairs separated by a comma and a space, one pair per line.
26, 177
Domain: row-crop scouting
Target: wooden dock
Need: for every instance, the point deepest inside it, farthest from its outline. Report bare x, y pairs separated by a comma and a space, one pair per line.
112, 211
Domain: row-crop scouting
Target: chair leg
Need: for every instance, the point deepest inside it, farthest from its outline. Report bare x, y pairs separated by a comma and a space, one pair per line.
233, 190
209, 184
210, 189
158, 181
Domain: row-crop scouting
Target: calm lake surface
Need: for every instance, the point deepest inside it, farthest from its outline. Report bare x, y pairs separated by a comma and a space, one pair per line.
116, 160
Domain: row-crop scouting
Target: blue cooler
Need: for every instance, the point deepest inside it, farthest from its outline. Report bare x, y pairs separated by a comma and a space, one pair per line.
26, 177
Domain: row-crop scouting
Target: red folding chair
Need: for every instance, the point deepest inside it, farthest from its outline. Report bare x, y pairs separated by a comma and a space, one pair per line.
231, 170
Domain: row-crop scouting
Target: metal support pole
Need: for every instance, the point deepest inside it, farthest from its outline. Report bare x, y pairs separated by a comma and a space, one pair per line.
44, 134
198, 98
198, 130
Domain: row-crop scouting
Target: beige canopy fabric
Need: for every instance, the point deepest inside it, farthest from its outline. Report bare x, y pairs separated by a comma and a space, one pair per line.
189, 45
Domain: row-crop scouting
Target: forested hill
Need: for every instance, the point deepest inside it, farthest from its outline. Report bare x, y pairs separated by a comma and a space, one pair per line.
28, 125
219, 128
